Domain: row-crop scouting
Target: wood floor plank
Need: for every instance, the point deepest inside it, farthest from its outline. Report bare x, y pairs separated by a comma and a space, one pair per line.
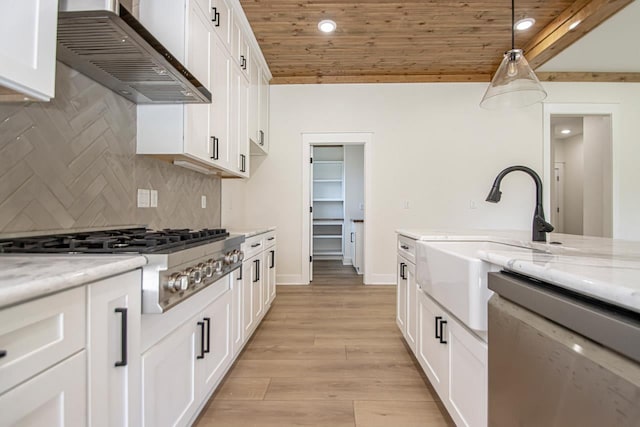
324, 368
278, 414
320, 351
243, 389
405, 414
311, 388
295, 352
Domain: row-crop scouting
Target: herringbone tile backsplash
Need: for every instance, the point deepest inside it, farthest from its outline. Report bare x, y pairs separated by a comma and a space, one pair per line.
71, 164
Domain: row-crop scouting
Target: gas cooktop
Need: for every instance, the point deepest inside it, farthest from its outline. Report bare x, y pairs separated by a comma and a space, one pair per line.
127, 240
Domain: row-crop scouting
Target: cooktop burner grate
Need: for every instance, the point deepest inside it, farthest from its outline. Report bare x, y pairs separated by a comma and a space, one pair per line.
136, 240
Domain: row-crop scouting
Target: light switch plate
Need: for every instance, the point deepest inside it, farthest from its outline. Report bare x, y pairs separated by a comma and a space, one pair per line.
154, 198
143, 198
203, 201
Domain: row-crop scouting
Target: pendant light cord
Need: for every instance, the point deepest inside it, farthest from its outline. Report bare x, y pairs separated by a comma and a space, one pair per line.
513, 18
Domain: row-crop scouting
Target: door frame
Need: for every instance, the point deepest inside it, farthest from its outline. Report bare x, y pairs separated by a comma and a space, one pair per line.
333, 138
559, 219
611, 110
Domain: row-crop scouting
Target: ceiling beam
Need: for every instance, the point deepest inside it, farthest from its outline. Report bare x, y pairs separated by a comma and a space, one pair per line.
589, 77
403, 78
557, 36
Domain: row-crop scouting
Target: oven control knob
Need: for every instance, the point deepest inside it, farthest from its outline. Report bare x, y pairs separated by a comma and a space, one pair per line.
177, 282
228, 258
217, 266
207, 269
240, 255
195, 276
203, 270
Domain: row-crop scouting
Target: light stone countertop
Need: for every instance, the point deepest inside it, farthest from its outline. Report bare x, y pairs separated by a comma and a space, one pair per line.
26, 277
250, 232
605, 269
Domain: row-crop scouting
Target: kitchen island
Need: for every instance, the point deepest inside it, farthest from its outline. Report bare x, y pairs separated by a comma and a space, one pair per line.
592, 292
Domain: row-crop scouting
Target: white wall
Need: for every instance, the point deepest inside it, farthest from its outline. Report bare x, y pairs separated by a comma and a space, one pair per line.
434, 148
597, 177
354, 190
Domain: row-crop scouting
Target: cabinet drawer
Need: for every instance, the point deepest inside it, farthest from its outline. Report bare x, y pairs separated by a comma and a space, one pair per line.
407, 248
56, 397
40, 333
269, 239
253, 246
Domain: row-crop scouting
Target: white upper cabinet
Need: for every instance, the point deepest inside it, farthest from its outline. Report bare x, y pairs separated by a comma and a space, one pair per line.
28, 49
221, 20
210, 37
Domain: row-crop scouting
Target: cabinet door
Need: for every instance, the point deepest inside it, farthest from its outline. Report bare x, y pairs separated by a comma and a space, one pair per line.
243, 158
221, 105
411, 326
256, 280
169, 382
221, 20
217, 354
28, 48
197, 140
264, 111
401, 295
248, 320
467, 377
55, 398
236, 310
431, 352
271, 276
114, 349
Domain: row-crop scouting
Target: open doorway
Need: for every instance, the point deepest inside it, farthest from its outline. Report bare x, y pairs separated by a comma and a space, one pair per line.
581, 162
337, 196
335, 200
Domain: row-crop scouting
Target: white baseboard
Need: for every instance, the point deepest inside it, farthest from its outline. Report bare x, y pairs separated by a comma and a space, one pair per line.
290, 279
380, 279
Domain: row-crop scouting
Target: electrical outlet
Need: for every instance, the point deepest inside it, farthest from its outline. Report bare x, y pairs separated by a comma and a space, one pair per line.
203, 202
143, 198
406, 205
154, 198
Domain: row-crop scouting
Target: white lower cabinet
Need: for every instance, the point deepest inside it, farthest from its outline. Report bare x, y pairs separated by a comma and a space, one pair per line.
270, 276
183, 369
169, 381
55, 398
237, 314
454, 360
256, 283
114, 350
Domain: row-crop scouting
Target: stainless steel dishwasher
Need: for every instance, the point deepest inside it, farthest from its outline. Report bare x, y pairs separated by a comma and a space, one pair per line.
557, 358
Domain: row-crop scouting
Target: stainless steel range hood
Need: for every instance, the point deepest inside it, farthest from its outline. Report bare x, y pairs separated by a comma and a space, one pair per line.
102, 39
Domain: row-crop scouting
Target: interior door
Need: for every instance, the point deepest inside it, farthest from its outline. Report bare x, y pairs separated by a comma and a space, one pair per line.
311, 217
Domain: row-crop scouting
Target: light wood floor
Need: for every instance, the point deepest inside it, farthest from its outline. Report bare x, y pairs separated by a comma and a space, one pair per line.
329, 354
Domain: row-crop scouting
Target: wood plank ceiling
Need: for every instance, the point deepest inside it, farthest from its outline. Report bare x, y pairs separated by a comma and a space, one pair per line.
413, 40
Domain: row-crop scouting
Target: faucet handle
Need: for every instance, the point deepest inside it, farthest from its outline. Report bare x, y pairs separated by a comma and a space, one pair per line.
542, 225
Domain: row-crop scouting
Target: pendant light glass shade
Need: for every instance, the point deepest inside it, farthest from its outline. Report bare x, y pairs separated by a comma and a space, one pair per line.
513, 85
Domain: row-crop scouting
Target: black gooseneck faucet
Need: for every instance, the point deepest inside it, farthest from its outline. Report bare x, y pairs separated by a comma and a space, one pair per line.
540, 226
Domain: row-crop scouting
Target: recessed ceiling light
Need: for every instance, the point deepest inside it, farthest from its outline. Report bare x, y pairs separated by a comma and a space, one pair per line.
327, 26
574, 25
524, 24
565, 131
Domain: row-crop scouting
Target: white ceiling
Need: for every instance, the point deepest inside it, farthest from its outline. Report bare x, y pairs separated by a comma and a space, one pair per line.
611, 47
558, 123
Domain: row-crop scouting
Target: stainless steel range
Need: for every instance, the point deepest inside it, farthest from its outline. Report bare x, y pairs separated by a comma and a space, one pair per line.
181, 262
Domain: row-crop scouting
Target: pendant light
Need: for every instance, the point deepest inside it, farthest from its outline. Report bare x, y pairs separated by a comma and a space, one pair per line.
514, 84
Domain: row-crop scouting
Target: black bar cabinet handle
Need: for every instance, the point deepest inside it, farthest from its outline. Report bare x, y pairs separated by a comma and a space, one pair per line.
271, 238
240, 276
442, 340
255, 262
3, 353
216, 16
402, 266
273, 259
261, 138
438, 319
217, 148
201, 356
352, 233
207, 320
258, 269
405, 247
255, 245
123, 336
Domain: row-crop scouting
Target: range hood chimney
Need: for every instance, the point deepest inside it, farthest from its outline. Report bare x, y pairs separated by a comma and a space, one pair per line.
102, 39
